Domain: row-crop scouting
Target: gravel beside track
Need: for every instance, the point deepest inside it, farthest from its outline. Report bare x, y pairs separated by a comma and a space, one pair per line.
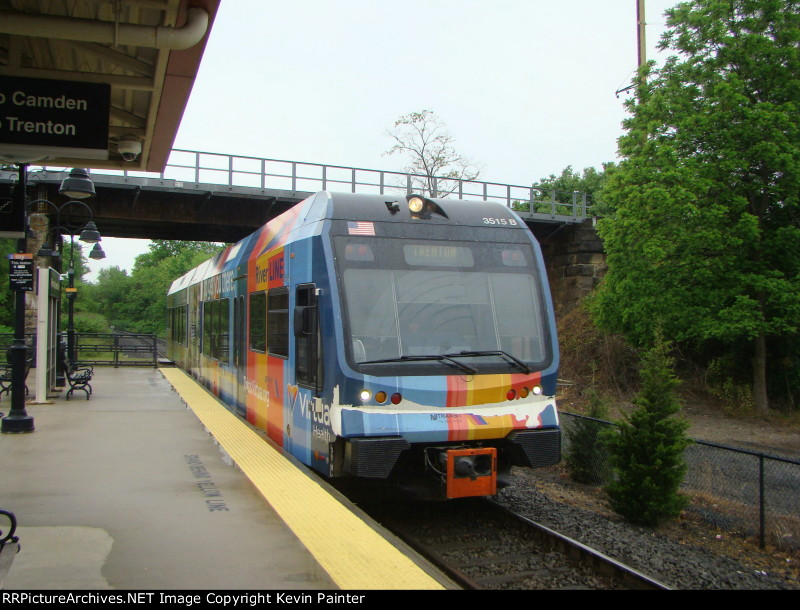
685, 554
483, 546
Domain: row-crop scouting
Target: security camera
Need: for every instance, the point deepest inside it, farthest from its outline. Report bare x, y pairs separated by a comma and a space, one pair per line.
129, 149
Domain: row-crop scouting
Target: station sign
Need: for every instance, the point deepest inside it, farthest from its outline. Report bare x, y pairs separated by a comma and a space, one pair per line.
20, 273
41, 118
55, 283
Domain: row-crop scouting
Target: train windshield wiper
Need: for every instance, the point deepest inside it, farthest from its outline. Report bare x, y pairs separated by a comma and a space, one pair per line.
508, 357
446, 359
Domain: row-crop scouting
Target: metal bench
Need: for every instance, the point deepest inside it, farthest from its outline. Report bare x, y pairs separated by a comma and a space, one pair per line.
6, 375
78, 377
9, 545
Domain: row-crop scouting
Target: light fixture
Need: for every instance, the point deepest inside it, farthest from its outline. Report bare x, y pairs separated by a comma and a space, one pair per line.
77, 185
90, 234
45, 250
51, 251
416, 204
422, 207
97, 253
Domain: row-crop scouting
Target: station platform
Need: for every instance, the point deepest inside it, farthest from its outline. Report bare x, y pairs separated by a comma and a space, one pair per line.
152, 484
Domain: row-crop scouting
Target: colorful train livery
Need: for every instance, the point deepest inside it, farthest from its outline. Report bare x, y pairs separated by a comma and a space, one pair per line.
393, 338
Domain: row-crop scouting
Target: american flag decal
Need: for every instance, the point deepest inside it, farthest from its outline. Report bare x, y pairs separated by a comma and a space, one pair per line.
360, 228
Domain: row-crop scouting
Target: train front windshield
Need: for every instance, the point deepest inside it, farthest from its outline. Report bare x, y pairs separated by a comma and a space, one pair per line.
426, 307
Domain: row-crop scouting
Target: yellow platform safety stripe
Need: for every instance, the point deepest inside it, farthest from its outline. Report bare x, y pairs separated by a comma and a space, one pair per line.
353, 554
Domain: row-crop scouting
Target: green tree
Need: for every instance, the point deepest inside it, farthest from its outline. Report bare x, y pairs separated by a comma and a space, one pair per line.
109, 296
424, 139
647, 454
705, 237
178, 253
137, 302
152, 274
569, 182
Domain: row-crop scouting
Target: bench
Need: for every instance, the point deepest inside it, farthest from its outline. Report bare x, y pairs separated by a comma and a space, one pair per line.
9, 545
77, 376
6, 375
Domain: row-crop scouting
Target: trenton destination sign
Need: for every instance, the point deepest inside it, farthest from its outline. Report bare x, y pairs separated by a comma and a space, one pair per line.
45, 118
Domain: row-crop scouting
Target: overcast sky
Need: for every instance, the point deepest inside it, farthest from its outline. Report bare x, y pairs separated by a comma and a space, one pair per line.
525, 87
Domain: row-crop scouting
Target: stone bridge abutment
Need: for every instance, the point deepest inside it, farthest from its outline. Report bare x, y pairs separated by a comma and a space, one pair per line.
575, 262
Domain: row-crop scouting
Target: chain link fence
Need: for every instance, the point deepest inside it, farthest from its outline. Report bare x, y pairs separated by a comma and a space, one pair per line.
736, 490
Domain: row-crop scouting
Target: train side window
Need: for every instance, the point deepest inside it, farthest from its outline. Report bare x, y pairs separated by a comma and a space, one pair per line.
278, 322
240, 328
216, 318
177, 321
306, 333
258, 321
180, 324
208, 316
223, 331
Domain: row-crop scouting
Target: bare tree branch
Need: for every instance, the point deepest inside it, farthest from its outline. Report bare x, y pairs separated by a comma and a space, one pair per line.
436, 166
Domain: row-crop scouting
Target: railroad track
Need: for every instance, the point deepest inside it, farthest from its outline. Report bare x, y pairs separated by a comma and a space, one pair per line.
481, 545
137, 343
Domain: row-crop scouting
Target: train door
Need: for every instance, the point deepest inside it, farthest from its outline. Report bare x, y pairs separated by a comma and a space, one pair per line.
240, 346
317, 432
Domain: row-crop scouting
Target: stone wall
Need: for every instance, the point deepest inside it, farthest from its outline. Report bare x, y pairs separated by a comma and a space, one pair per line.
575, 262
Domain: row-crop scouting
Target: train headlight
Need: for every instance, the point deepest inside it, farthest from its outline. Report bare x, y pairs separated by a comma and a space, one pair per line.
537, 390
416, 204
365, 395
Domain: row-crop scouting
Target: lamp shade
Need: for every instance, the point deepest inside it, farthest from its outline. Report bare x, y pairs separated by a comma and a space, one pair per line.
45, 250
97, 253
77, 185
90, 234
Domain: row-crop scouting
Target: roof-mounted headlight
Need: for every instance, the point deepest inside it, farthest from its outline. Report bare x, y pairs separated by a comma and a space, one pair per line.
422, 207
416, 204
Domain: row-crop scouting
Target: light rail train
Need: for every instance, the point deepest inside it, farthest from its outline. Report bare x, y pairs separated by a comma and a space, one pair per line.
392, 338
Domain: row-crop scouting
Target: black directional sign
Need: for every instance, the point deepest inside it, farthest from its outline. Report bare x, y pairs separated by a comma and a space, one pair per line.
54, 117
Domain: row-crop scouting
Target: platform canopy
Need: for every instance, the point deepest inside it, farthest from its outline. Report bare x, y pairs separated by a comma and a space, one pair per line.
97, 83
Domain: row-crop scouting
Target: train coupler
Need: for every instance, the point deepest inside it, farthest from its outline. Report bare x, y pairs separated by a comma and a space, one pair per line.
470, 472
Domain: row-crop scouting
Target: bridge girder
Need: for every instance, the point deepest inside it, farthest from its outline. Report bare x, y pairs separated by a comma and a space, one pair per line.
167, 211
158, 208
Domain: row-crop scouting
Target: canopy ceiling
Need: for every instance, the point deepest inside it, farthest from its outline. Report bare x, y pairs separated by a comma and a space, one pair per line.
146, 51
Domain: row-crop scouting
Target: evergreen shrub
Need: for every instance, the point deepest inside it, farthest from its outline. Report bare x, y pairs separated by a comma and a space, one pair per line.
648, 453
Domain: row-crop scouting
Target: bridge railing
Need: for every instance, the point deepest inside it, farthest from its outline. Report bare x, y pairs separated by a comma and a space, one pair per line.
190, 169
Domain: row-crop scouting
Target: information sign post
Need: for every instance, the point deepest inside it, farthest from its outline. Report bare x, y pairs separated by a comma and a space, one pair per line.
21, 282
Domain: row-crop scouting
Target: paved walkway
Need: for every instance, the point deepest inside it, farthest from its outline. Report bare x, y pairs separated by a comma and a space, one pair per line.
129, 491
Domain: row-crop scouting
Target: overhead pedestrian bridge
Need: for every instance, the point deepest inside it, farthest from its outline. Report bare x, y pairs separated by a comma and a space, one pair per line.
218, 197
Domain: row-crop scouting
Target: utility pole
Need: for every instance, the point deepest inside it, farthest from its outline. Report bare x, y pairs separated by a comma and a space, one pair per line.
640, 37
641, 43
